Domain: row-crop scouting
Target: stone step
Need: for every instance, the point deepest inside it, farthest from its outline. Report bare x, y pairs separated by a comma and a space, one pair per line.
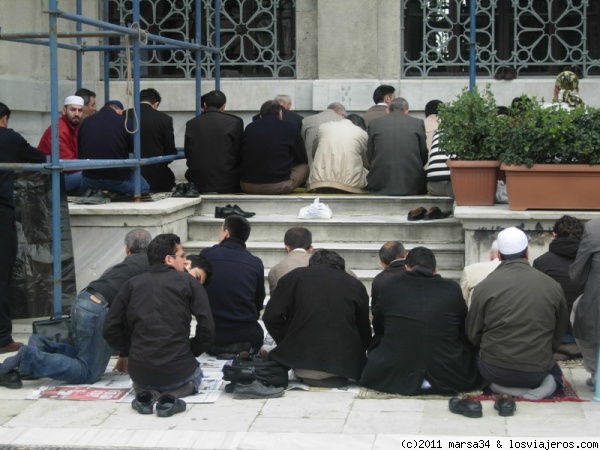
341, 205
362, 255
371, 228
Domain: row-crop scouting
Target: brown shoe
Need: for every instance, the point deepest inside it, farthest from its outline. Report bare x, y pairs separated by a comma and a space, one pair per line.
12, 347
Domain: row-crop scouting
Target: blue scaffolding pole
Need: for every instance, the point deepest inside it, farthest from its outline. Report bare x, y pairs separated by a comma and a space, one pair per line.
136, 34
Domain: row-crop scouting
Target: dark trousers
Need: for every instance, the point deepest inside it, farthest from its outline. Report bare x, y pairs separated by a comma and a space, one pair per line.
516, 378
8, 253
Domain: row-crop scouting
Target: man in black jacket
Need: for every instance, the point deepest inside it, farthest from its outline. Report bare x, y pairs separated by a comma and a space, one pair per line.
86, 361
150, 321
424, 348
13, 149
213, 148
156, 139
274, 159
319, 318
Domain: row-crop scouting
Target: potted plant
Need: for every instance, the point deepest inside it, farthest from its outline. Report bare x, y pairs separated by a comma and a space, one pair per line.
551, 157
470, 132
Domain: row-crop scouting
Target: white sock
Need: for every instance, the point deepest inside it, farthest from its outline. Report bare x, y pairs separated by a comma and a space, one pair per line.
544, 390
514, 391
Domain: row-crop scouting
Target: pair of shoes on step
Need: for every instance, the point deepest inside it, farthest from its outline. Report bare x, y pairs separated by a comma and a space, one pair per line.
433, 213
166, 406
469, 407
188, 190
228, 210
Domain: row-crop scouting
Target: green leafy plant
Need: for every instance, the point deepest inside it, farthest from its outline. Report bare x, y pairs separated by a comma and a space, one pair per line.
554, 135
470, 128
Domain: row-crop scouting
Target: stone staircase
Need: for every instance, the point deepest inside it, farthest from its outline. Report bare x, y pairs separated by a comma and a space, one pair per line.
358, 228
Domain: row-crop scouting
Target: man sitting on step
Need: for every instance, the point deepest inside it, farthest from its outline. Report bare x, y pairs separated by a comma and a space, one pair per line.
237, 291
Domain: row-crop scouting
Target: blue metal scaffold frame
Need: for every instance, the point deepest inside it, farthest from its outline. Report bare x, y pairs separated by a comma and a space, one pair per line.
106, 30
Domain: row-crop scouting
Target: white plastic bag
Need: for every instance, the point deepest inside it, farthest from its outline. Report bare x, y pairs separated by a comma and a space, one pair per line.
316, 210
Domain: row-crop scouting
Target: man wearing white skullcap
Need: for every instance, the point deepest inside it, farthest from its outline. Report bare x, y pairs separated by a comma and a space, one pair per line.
518, 317
68, 125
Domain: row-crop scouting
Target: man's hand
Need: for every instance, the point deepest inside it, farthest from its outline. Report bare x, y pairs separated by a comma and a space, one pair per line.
121, 365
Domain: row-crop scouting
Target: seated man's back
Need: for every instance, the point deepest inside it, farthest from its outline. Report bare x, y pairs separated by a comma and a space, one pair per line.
424, 348
319, 318
237, 290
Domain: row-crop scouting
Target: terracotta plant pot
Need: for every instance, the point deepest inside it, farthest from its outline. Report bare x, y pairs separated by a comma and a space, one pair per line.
552, 186
474, 182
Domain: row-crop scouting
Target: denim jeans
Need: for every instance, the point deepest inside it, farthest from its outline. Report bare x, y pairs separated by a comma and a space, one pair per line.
82, 364
72, 181
195, 378
125, 187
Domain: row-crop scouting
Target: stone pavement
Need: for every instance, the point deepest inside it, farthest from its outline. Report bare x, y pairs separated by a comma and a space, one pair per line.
299, 420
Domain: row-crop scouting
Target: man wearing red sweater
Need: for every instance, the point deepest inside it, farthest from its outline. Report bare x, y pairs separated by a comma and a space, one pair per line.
68, 124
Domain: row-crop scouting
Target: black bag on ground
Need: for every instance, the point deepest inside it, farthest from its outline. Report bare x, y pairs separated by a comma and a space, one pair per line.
246, 371
57, 329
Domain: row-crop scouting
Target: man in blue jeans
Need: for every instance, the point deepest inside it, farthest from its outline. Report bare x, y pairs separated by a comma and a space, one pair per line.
86, 362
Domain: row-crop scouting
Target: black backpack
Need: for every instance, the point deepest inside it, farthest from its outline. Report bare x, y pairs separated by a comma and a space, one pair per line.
248, 370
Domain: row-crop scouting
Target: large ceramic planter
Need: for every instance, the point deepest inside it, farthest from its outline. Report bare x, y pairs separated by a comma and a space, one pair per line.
552, 186
474, 182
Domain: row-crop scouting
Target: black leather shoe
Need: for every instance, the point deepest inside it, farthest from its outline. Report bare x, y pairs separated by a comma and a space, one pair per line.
180, 190
416, 214
11, 380
143, 402
467, 406
239, 211
505, 405
168, 405
192, 191
229, 210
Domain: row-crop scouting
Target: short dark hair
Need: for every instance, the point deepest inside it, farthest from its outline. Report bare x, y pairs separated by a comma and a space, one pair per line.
270, 107
432, 107
512, 256
298, 237
391, 251
568, 227
357, 120
381, 91
327, 258
137, 240
161, 246
238, 227
202, 263
150, 95
85, 94
216, 99
4, 110
421, 257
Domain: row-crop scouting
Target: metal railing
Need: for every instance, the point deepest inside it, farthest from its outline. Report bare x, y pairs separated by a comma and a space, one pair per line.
139, 39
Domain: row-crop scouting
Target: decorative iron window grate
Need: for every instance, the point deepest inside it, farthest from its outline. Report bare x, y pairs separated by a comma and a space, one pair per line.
535, 37
258, 38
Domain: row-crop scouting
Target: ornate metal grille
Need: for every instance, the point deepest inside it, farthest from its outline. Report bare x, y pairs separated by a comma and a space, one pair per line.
535, 37
258, 38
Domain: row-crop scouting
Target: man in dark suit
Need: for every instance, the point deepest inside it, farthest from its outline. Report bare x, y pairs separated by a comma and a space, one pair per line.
157, 139
213, 148
274, 159
397, 153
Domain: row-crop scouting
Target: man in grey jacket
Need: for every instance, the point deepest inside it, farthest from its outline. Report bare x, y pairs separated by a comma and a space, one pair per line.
518, 317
